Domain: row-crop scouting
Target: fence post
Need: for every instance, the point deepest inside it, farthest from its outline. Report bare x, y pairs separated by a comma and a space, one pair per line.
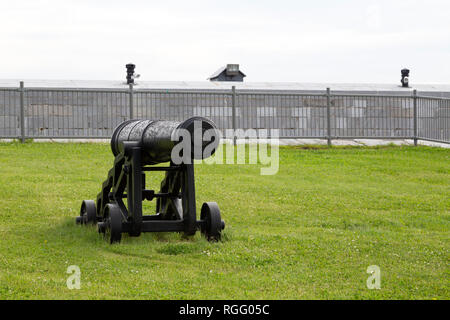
131, 100
328, 117
415, 116
22, 112
233, 110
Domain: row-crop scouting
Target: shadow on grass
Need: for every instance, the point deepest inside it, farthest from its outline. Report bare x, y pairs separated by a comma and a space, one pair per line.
174, 243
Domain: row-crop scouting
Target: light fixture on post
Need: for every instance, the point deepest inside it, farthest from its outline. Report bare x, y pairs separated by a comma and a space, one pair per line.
405, 78
130, 73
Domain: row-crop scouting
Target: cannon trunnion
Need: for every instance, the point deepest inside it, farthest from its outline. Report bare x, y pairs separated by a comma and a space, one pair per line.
137, 146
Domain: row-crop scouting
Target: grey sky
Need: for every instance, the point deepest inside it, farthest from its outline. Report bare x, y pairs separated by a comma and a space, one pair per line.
302, 41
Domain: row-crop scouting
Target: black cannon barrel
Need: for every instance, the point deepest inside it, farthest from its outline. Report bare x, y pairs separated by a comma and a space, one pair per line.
158, 137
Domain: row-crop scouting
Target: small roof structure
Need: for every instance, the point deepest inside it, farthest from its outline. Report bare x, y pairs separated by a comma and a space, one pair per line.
222, 74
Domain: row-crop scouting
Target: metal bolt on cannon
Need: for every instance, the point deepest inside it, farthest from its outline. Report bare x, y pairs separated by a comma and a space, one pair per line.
138, 145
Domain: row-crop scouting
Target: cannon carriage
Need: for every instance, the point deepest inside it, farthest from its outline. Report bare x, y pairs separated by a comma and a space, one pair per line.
139, 146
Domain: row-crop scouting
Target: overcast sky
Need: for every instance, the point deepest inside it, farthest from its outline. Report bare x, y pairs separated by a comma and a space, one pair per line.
278, 40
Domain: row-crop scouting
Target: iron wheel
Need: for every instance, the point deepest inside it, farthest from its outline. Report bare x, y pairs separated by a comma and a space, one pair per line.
113, 223
212, 225
88, 213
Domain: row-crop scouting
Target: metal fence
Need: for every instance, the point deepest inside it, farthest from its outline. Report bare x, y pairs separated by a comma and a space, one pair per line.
85, 113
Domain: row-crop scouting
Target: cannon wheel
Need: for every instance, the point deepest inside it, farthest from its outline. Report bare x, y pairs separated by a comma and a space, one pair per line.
213, 224
113, 223
88, 213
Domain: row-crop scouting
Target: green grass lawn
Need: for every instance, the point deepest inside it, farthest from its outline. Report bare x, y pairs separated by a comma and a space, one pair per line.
309, 232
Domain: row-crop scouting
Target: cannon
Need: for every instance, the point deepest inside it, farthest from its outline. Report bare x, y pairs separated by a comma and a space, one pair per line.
140, 147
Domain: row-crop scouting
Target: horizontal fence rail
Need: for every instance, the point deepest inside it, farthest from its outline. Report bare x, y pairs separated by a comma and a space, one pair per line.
54, 113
